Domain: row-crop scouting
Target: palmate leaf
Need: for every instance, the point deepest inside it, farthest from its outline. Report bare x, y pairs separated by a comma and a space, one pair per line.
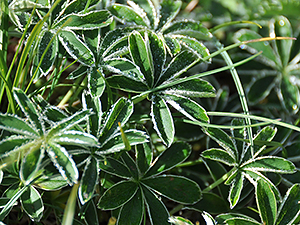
63, 162
119, 113
89, 180
269, 164
128, 14
88, 21
76, 48
117, 195
176, 188
141, 55
29, 109
266, 202
167, 12
289, 208
32, 204
187, 107
156, 209
114, 167
219, 155
162, 120
130, 163
258, 90
193, 88
127, 84
175, 154
132, 212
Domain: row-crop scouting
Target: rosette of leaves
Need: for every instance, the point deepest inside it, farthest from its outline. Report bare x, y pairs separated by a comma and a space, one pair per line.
158, 16
25, 145
270, 210
247, 162
144, 184
160, 82
281, 60
62, 27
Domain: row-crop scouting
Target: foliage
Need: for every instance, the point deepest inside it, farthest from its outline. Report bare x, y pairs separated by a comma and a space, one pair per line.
85, 112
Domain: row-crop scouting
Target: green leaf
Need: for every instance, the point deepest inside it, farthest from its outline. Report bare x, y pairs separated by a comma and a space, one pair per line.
187, 107
88, 21
29, 109
119, 113
115, 167
90, 213
266, 202
260, 89
73, 137
193, 88
268, 54
92, 39
176, 188
158, 213
144, 156
236, 218
50, 55
210, 202
239, 133
63, 162
289, 209
269, 164
17, 125
127, 84
76, 48
283, 28
162, 120
265, 134
235, 190
122, 66
77, 6
219, 155
117, 195
289, 95
194, 45
188, 28
116, 143
242, 221
141, 55
223, 139
174, 155
180, 64
96, 82
172, 45
68, 122
168, 10
51, 182
149, 7
130, 163
89, 180
177, 220
132, 212
32, 204
31, 163
127, 14
158, 52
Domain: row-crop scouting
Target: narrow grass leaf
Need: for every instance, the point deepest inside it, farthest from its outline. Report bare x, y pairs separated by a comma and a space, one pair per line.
89, 180
63, 162
269, 164
117, 195
141, 55
114, 167
69, 211
32, 204
219, 155
187, 107
266, 202
176, 188
132, 212
157, 211
76, 48
174, 155
193, 88
162, 120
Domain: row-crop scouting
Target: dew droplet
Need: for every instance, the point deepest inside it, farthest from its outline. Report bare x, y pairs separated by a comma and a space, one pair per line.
281, 22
